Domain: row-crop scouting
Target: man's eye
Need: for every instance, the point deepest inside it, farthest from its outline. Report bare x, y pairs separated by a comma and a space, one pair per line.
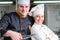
21, 6
26, 6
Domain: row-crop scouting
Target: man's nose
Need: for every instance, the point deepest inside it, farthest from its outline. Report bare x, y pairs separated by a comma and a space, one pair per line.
23, 8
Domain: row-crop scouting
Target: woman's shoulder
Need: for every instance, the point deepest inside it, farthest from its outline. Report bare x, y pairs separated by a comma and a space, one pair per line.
35, 26
44, 25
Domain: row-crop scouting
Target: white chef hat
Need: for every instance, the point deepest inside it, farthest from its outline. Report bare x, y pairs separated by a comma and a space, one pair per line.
23, 1
39, 9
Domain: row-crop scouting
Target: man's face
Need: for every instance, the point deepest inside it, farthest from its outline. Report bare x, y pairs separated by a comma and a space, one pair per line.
39, 19
23, 9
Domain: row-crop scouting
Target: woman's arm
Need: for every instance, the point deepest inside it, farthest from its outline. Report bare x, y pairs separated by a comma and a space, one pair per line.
37, 34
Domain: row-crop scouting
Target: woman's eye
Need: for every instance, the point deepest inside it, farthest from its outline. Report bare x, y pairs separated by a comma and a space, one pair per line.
37, 16
42, 16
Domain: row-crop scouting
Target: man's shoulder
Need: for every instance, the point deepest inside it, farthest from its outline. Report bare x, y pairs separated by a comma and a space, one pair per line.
10, 14
30, 16
31, 19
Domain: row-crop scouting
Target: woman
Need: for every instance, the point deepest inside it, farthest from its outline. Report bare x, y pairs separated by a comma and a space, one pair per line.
39, 30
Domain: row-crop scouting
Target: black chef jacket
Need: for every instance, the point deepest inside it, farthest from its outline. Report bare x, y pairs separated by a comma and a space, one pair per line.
13, 22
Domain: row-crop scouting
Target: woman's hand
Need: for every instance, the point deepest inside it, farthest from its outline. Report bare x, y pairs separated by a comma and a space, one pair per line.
48, 38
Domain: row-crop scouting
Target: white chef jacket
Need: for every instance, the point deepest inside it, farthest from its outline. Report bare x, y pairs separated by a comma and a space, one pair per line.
42, 32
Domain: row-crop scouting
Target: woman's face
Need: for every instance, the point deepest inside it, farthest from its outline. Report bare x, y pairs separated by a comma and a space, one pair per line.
39, 19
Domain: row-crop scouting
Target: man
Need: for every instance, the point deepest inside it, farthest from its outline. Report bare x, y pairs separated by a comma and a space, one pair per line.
16, 24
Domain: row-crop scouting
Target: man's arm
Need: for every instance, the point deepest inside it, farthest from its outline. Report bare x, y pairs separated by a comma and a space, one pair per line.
4, 22
14, 35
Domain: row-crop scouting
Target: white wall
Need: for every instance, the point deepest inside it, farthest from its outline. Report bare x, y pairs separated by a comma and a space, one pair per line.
7, 9
12, 8
53, 21
2, 10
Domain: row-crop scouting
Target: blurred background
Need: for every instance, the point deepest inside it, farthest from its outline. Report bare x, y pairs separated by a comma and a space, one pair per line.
52, 11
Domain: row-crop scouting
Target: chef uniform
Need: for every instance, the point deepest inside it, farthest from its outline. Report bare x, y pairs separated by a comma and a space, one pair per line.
13, 21
41, 32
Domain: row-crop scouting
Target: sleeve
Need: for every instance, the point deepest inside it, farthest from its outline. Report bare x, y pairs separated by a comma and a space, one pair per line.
52, 34
36, 33
4, 22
